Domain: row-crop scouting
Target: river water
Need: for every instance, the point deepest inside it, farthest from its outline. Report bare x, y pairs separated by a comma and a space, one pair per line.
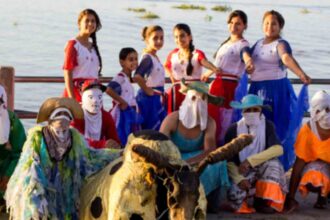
33, 34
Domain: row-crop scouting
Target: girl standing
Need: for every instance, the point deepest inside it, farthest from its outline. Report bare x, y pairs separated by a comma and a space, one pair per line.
150, 76
232, 57
124, 110
184, 62
272, 55
82, 59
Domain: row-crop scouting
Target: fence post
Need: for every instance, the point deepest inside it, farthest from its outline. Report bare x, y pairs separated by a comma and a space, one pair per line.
7, 77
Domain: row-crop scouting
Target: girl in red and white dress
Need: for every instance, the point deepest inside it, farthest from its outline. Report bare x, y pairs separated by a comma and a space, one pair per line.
232, 57
82, 58
184, 62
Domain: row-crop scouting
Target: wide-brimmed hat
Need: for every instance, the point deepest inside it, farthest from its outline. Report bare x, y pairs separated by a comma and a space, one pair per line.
53, 103
202, 88
249, 101
92, 83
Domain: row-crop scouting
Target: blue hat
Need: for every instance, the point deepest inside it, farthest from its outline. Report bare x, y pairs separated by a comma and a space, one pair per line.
249, 101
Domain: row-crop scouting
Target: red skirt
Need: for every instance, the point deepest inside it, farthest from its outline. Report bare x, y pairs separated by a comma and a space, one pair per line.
77, 83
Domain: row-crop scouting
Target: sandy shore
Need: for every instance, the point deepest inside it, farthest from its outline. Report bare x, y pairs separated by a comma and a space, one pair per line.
305, 212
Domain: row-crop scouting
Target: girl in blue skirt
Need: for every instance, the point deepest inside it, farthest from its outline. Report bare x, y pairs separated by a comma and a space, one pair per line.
272, 55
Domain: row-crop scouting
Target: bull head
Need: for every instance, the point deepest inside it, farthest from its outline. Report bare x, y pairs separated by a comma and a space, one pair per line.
182, 182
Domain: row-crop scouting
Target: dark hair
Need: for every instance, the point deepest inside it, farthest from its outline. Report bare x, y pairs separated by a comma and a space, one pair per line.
125, 51
89, 11
278, 16
148, 30
186, 28
237, 13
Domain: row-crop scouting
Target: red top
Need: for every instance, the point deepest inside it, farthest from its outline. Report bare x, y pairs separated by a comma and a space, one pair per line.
108, 130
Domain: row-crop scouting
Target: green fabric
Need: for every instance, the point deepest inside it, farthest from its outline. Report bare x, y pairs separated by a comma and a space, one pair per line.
42, 188
9, 158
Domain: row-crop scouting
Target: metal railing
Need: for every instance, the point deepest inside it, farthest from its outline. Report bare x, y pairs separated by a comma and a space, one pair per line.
23, 114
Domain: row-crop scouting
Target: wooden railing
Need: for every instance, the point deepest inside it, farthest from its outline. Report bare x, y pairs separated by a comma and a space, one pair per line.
23, 114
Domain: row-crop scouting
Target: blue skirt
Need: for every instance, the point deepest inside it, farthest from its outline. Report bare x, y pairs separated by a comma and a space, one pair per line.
152, 110
287, 112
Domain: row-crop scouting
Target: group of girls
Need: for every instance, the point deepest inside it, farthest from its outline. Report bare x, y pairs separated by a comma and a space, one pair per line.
266, 63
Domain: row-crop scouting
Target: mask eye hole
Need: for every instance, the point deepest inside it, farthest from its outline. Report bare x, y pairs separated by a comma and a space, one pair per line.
327, 109
193, 98
203, 97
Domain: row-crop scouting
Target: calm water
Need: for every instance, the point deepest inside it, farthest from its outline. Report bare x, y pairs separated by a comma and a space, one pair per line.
34, 32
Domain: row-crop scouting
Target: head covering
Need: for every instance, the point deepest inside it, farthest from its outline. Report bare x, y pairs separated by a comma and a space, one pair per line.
320, 101
249, 101
51, 104
4, 117
92, 83
203, 88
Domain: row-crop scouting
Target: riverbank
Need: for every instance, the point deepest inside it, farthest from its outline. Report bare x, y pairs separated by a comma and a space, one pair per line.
305, 212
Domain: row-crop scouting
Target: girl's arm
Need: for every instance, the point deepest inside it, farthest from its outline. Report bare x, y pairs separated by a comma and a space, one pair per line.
248, 61
209, 138
211, 69
69, 83
170, 74
142, 83
122, 103
289, 61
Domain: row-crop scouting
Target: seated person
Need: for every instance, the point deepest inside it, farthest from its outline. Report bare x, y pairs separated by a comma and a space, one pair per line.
12, 138
255, 171
53, 165
97, 125
192, 130
311, 170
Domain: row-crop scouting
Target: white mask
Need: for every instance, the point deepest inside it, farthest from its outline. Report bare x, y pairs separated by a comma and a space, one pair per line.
61, 131
193, 110
92, 100
4, 117
323, 118
252, 118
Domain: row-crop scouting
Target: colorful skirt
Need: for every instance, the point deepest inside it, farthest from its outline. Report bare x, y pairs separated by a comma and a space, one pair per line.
316, 175
268, 183
287, 111
152, 108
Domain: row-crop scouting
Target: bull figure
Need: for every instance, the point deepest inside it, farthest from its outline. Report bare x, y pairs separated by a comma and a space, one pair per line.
130, 187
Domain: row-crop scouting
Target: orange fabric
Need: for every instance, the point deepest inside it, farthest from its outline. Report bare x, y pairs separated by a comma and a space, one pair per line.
272, 192
309, 148
245, 209
317, 179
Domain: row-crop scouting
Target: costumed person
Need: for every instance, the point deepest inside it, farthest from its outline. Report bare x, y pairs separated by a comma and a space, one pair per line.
192, 130
97, 126
125, 110
272, 55
232, 58
150, 76
82, 59
53, 165
12, 138
184, 62
257, 175
311, 170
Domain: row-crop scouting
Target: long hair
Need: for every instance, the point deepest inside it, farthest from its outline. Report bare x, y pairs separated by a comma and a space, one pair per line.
237, 13
89, 11
186, 29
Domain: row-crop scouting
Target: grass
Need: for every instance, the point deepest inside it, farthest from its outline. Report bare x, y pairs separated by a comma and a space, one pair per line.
137, 10
208, 18
149, 15
305, 11
221, 8
190, 7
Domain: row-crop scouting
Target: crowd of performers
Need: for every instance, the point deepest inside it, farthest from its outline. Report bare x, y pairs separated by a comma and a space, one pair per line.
78, 136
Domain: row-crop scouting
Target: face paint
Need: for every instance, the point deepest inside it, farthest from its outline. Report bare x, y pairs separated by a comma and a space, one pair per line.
193, 110
92, 100
252, 118
60, 128
323, 118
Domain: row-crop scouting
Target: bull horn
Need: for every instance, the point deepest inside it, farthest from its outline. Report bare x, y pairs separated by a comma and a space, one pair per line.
151, 156
226, 152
